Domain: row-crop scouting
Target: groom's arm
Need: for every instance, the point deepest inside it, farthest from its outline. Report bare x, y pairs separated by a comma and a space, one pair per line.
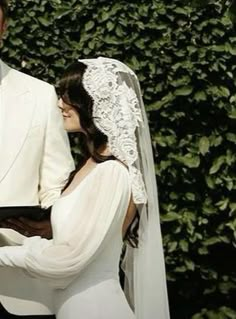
56, 161
56, 165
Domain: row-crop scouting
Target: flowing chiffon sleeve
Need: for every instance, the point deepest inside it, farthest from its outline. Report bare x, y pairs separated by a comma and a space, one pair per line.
101, 200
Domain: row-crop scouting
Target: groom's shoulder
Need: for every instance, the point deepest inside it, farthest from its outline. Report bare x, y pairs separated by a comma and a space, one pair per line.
31, 81
22, 78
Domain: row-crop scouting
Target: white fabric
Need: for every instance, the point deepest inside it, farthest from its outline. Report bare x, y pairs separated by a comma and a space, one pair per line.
1, 109
120, 114
144, 267
35, 156
116, 113
2, 117
80, 265
36, 150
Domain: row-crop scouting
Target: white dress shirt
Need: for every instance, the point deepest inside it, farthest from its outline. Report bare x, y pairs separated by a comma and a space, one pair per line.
1, 110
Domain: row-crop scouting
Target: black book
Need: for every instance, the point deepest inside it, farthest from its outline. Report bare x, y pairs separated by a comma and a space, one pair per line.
36, 213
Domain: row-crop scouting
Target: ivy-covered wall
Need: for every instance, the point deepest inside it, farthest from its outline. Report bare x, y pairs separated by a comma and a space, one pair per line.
184, 53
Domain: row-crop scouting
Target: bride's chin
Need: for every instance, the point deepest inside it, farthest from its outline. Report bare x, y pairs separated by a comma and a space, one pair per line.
71, 129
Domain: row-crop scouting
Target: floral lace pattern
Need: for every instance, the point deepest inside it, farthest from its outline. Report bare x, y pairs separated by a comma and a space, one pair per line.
117, 114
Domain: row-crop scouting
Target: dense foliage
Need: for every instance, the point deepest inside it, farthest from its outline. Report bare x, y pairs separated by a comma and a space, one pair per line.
184, 53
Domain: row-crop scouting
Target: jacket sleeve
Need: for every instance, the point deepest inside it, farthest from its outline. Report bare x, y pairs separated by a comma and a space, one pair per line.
99, 206
57, 162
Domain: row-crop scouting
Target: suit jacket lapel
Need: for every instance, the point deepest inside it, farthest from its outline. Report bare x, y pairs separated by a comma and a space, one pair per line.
18, 105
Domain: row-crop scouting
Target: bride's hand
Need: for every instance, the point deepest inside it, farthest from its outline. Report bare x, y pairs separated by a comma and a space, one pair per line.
29, 227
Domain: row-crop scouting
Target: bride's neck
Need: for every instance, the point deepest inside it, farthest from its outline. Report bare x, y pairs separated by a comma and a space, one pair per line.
103, 151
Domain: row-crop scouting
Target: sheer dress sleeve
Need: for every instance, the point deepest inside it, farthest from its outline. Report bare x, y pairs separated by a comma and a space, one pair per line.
98, 202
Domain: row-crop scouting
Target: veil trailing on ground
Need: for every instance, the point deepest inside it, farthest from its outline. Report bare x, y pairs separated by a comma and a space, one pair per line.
118, 112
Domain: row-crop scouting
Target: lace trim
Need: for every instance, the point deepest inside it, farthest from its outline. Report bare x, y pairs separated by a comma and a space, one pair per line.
117, 114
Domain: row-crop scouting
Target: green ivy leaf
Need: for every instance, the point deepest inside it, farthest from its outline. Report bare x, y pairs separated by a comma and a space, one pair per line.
89, 25
204, 145
184, 91
217, 164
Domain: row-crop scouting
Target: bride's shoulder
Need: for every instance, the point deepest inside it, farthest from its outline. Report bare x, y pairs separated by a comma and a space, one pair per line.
113, 167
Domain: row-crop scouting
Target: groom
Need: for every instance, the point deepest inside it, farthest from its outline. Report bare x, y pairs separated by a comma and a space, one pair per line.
35, 158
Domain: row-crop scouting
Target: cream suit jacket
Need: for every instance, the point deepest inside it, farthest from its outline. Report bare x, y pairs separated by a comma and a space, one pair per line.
35, 157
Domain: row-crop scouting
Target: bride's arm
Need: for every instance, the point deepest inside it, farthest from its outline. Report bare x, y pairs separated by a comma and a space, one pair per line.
104, 201
9, 237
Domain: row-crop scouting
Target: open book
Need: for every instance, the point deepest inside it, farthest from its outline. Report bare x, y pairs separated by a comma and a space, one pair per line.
32, 212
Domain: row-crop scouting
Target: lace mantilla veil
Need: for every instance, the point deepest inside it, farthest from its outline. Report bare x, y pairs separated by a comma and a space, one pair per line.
118, 112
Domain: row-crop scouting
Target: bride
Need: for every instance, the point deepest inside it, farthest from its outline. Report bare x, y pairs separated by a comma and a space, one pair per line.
108, 208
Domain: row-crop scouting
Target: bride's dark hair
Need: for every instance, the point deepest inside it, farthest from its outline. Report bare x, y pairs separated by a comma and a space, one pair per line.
4, 7
73, 93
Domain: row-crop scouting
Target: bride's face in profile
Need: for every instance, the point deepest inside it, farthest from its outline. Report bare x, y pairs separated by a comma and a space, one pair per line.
70, 117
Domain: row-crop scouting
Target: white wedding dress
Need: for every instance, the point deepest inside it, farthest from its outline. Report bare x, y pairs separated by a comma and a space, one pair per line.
76, 273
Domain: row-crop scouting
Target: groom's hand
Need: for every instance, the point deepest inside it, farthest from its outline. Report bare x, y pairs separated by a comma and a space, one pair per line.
29, 227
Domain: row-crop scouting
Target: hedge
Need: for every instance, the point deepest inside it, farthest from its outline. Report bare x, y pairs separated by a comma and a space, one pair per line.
184, 53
